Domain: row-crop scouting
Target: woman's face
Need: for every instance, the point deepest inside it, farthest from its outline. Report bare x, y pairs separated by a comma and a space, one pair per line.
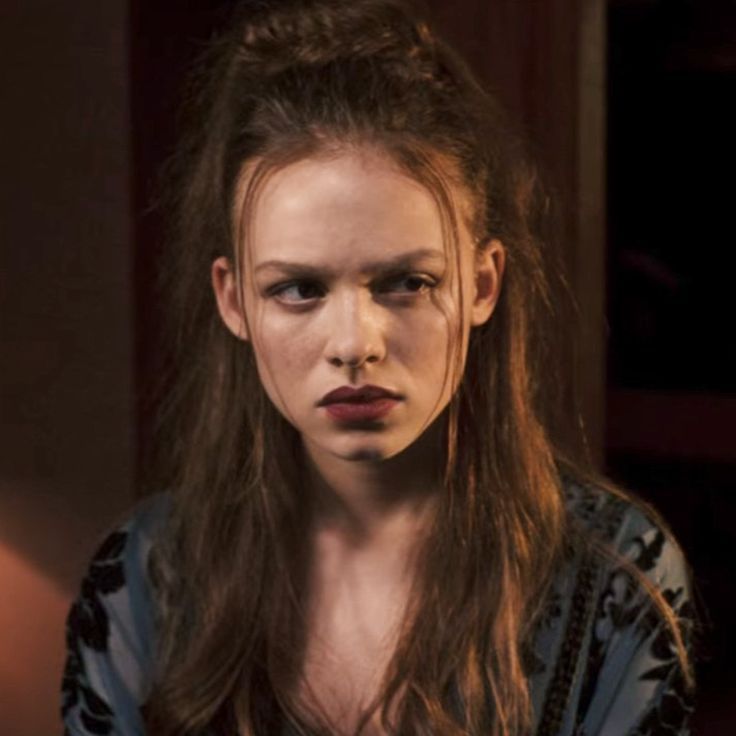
352, 305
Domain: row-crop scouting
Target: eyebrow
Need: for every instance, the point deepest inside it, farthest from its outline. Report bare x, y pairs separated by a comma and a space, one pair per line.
403, 260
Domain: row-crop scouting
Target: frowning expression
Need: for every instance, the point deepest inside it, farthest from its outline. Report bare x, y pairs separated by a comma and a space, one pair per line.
353, 301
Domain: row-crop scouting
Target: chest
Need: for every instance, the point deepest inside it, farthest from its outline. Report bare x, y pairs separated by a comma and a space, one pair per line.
354, 626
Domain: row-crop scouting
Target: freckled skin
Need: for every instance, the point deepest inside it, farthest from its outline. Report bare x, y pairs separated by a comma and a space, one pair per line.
348, 326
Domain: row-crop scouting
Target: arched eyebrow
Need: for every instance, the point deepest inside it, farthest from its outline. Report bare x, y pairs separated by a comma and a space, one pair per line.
408, 260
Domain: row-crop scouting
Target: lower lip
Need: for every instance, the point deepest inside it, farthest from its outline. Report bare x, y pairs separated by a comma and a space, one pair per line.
361, 411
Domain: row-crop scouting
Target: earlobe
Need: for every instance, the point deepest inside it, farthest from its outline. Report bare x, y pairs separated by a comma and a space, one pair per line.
227, 293
489, 269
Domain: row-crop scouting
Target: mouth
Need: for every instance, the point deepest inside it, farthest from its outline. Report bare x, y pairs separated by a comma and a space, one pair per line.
360, 395
366, 403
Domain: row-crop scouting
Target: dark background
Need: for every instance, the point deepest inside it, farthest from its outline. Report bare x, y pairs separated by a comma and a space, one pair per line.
671, 382
625, 104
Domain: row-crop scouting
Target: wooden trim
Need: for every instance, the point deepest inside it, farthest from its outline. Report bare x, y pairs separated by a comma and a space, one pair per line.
590, 213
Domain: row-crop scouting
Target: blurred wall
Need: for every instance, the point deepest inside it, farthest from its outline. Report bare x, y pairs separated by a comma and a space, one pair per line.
66, 420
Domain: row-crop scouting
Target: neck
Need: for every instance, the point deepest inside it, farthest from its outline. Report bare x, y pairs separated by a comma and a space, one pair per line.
366, 500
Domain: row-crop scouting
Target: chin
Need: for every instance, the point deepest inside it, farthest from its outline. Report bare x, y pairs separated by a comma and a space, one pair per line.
372, 454
365, 448
369, 449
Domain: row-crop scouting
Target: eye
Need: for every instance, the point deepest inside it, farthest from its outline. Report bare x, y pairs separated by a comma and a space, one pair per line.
296, 292
407, 283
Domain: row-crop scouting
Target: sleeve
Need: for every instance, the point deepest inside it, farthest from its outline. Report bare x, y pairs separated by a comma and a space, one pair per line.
638, 685
109, 639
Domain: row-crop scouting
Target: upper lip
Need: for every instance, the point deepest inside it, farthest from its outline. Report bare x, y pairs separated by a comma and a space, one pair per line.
361, 393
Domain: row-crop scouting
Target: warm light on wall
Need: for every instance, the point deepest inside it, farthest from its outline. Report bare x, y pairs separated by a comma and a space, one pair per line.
32, 616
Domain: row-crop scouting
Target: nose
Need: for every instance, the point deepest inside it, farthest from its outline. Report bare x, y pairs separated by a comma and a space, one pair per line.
355, 331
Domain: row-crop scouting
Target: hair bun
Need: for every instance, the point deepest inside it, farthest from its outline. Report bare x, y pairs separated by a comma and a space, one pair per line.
281, 34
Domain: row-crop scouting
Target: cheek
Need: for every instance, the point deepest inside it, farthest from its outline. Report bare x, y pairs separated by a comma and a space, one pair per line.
444, 346
285, 349
420, 338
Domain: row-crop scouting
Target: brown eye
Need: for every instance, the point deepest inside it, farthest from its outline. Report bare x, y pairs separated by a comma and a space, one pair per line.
416, 283
297, 291
410, 283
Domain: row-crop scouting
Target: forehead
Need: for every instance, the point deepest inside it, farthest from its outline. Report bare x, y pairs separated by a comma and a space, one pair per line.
350, 206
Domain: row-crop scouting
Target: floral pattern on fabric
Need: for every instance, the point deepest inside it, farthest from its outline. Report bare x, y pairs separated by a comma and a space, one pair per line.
671, 712
625, 611
88, 626
628, 678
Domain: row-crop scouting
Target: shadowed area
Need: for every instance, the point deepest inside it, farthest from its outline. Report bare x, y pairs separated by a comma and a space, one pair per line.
66, 434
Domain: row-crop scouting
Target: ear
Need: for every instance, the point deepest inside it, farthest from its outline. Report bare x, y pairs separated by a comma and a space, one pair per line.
227, 292
489, 266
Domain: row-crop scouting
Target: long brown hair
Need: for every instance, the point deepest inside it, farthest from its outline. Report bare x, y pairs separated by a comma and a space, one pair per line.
285, 81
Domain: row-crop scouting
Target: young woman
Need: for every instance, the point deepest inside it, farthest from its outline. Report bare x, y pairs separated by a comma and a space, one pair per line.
370, 526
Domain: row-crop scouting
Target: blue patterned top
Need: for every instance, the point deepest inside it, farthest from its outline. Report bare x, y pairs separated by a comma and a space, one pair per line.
603, 662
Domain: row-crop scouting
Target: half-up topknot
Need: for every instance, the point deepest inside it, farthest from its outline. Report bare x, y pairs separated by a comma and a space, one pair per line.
299, 74
277, 35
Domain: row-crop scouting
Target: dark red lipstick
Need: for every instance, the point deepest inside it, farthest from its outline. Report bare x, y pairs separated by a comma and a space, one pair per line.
362, 404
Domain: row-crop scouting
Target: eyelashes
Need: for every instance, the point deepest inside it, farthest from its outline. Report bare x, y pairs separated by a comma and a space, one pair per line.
410, 283
296, 291
304, 292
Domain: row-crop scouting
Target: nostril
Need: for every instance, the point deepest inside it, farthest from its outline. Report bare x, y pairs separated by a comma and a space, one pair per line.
352, 362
